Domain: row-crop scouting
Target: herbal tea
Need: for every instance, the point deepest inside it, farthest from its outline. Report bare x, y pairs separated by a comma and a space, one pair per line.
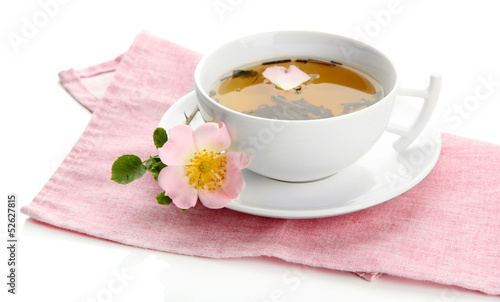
297, 89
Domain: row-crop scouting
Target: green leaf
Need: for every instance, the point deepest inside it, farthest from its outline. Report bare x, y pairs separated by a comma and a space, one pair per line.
155, 170
127, 168
163, 199
160, 137
150, 162
154, 165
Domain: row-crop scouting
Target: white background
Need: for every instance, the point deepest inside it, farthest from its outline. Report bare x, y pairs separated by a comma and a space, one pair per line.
40, 123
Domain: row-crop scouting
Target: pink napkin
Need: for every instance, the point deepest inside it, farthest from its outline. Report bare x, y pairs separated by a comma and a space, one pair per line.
446, 229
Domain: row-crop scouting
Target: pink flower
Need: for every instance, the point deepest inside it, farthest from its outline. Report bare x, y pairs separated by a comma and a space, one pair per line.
199, 167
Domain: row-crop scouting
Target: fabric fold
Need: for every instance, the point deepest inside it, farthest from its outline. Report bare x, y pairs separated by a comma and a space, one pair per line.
71, 80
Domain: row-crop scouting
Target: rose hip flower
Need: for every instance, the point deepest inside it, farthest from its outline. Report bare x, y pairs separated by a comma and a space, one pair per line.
284, 78
198, 166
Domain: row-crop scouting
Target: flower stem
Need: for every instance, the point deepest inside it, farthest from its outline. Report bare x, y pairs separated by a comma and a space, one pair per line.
191, 116
154, 156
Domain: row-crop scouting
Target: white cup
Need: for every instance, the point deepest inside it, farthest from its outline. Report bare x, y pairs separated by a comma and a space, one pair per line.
307, 150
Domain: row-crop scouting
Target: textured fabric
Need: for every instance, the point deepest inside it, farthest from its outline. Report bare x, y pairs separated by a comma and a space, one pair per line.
446, 229
72, 81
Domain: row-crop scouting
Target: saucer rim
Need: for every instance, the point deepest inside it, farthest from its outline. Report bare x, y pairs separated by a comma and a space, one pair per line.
237, 205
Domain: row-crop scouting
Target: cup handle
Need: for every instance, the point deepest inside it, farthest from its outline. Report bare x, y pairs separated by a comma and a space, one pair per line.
410, 133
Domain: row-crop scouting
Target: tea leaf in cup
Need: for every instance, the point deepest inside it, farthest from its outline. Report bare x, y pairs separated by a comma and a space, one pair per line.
291, 110
277, 62
363, 103
244, 73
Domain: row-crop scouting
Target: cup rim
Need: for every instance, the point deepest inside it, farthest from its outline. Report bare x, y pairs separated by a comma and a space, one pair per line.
200, 90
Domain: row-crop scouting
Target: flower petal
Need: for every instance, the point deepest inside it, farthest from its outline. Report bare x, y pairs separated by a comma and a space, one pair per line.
212, 136
173, 180
236, 160
214, 199
234, 182
179, 147
284, 78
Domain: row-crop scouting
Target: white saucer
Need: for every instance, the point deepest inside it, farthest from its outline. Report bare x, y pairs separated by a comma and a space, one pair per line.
377, 177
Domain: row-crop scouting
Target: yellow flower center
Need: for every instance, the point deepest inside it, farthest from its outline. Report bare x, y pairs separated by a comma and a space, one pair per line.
206, 170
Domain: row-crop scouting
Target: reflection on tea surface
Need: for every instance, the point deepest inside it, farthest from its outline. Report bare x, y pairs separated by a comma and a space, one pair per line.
332, 89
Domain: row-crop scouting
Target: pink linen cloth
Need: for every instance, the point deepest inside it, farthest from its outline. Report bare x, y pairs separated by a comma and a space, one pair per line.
445, 230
